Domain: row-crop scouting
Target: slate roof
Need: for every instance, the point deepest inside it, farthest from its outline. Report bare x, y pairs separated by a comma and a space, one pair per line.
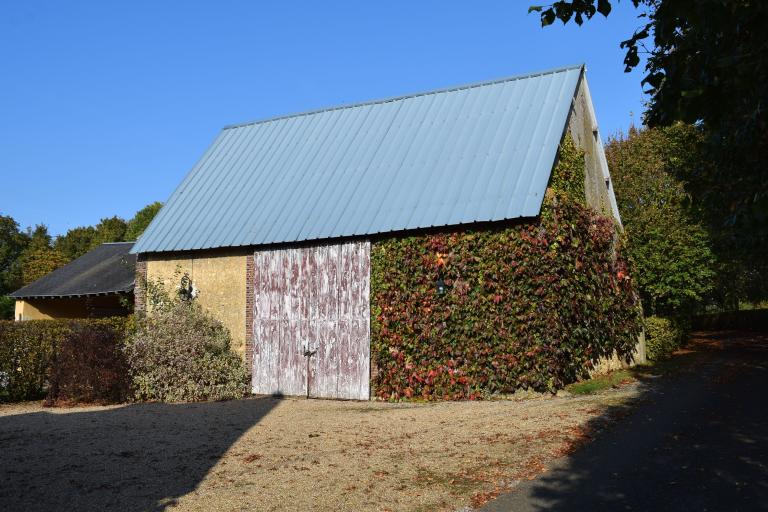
105, 270
480, 152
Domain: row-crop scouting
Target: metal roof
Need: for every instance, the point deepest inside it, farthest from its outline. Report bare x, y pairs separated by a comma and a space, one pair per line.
481, 152
105, 270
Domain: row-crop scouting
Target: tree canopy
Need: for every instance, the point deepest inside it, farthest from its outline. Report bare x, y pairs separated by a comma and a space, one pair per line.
671, 250
39, 256
77, 241
141, 220
28, 255
707, 65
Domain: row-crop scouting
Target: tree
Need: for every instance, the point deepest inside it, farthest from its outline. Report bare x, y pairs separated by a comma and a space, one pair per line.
39, 257
707, 65
12, 244
76, 242
110, 229
672, 251
141, 220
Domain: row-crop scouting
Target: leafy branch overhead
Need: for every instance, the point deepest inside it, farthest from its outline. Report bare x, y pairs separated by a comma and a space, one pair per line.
578, 9
706, 65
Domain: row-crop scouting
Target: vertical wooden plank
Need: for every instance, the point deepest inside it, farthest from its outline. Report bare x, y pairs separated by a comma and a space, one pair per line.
292, 369
357, 336
327, 355
261, 329
306, 310
256, 361
298, 329
364, 354
345, 369
281, 290
264, 328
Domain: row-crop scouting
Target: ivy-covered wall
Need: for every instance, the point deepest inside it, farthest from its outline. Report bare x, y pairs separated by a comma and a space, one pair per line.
529, 305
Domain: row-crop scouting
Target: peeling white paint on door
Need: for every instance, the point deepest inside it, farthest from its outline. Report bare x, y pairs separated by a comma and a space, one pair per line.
315, 298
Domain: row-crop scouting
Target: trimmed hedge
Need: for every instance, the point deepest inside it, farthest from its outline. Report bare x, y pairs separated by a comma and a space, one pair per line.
531, 305
754, 320
664, 335
28, 354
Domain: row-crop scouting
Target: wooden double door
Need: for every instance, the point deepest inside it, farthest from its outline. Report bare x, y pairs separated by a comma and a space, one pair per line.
312, 299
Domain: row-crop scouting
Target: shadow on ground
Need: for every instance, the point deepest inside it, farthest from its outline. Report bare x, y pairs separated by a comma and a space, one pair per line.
133, 458
693, 440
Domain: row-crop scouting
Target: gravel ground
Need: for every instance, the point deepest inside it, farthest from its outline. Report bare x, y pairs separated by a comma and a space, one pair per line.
285, 454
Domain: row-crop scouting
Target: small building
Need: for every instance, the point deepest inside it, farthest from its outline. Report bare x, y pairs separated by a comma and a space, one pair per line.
275, 223
97, 284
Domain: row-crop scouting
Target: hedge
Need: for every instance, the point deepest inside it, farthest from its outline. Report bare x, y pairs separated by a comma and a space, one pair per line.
530, 305
177, 353
28, 356
755, 320
664, 335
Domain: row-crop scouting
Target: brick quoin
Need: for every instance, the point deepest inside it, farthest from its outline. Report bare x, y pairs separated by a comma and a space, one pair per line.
249, 277
139, 291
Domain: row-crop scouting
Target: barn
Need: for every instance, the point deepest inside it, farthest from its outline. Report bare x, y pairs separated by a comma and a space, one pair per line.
276, 222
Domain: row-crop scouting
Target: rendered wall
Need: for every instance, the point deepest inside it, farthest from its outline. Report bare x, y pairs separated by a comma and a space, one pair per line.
219, 277
76, 307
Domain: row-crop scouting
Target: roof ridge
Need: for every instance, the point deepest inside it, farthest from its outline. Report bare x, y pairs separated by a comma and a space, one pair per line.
406, 96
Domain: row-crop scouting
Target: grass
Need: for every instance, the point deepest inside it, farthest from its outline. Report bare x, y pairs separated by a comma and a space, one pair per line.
601, 382
681, 360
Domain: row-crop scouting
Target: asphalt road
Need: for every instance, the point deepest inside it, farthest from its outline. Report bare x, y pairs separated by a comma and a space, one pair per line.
697, 440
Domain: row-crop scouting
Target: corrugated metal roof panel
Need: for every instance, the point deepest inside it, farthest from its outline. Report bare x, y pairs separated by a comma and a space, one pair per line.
476, 153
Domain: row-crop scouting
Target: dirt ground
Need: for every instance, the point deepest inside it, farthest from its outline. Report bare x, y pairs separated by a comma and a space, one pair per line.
285, 454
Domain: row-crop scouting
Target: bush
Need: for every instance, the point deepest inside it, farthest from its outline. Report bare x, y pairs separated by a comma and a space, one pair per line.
530, 305
89, 364
664, 335
179, 353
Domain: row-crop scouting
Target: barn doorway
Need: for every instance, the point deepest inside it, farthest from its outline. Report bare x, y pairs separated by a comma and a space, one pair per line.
312, 299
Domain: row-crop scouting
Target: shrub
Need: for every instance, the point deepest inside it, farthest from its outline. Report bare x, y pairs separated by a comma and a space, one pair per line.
179, 353
530, 305
663, 336
89, 364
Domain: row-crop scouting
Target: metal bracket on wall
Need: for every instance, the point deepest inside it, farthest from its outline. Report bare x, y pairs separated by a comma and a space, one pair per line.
308, 354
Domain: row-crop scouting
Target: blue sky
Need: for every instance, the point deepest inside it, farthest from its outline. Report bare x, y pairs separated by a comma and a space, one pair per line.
105, 106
